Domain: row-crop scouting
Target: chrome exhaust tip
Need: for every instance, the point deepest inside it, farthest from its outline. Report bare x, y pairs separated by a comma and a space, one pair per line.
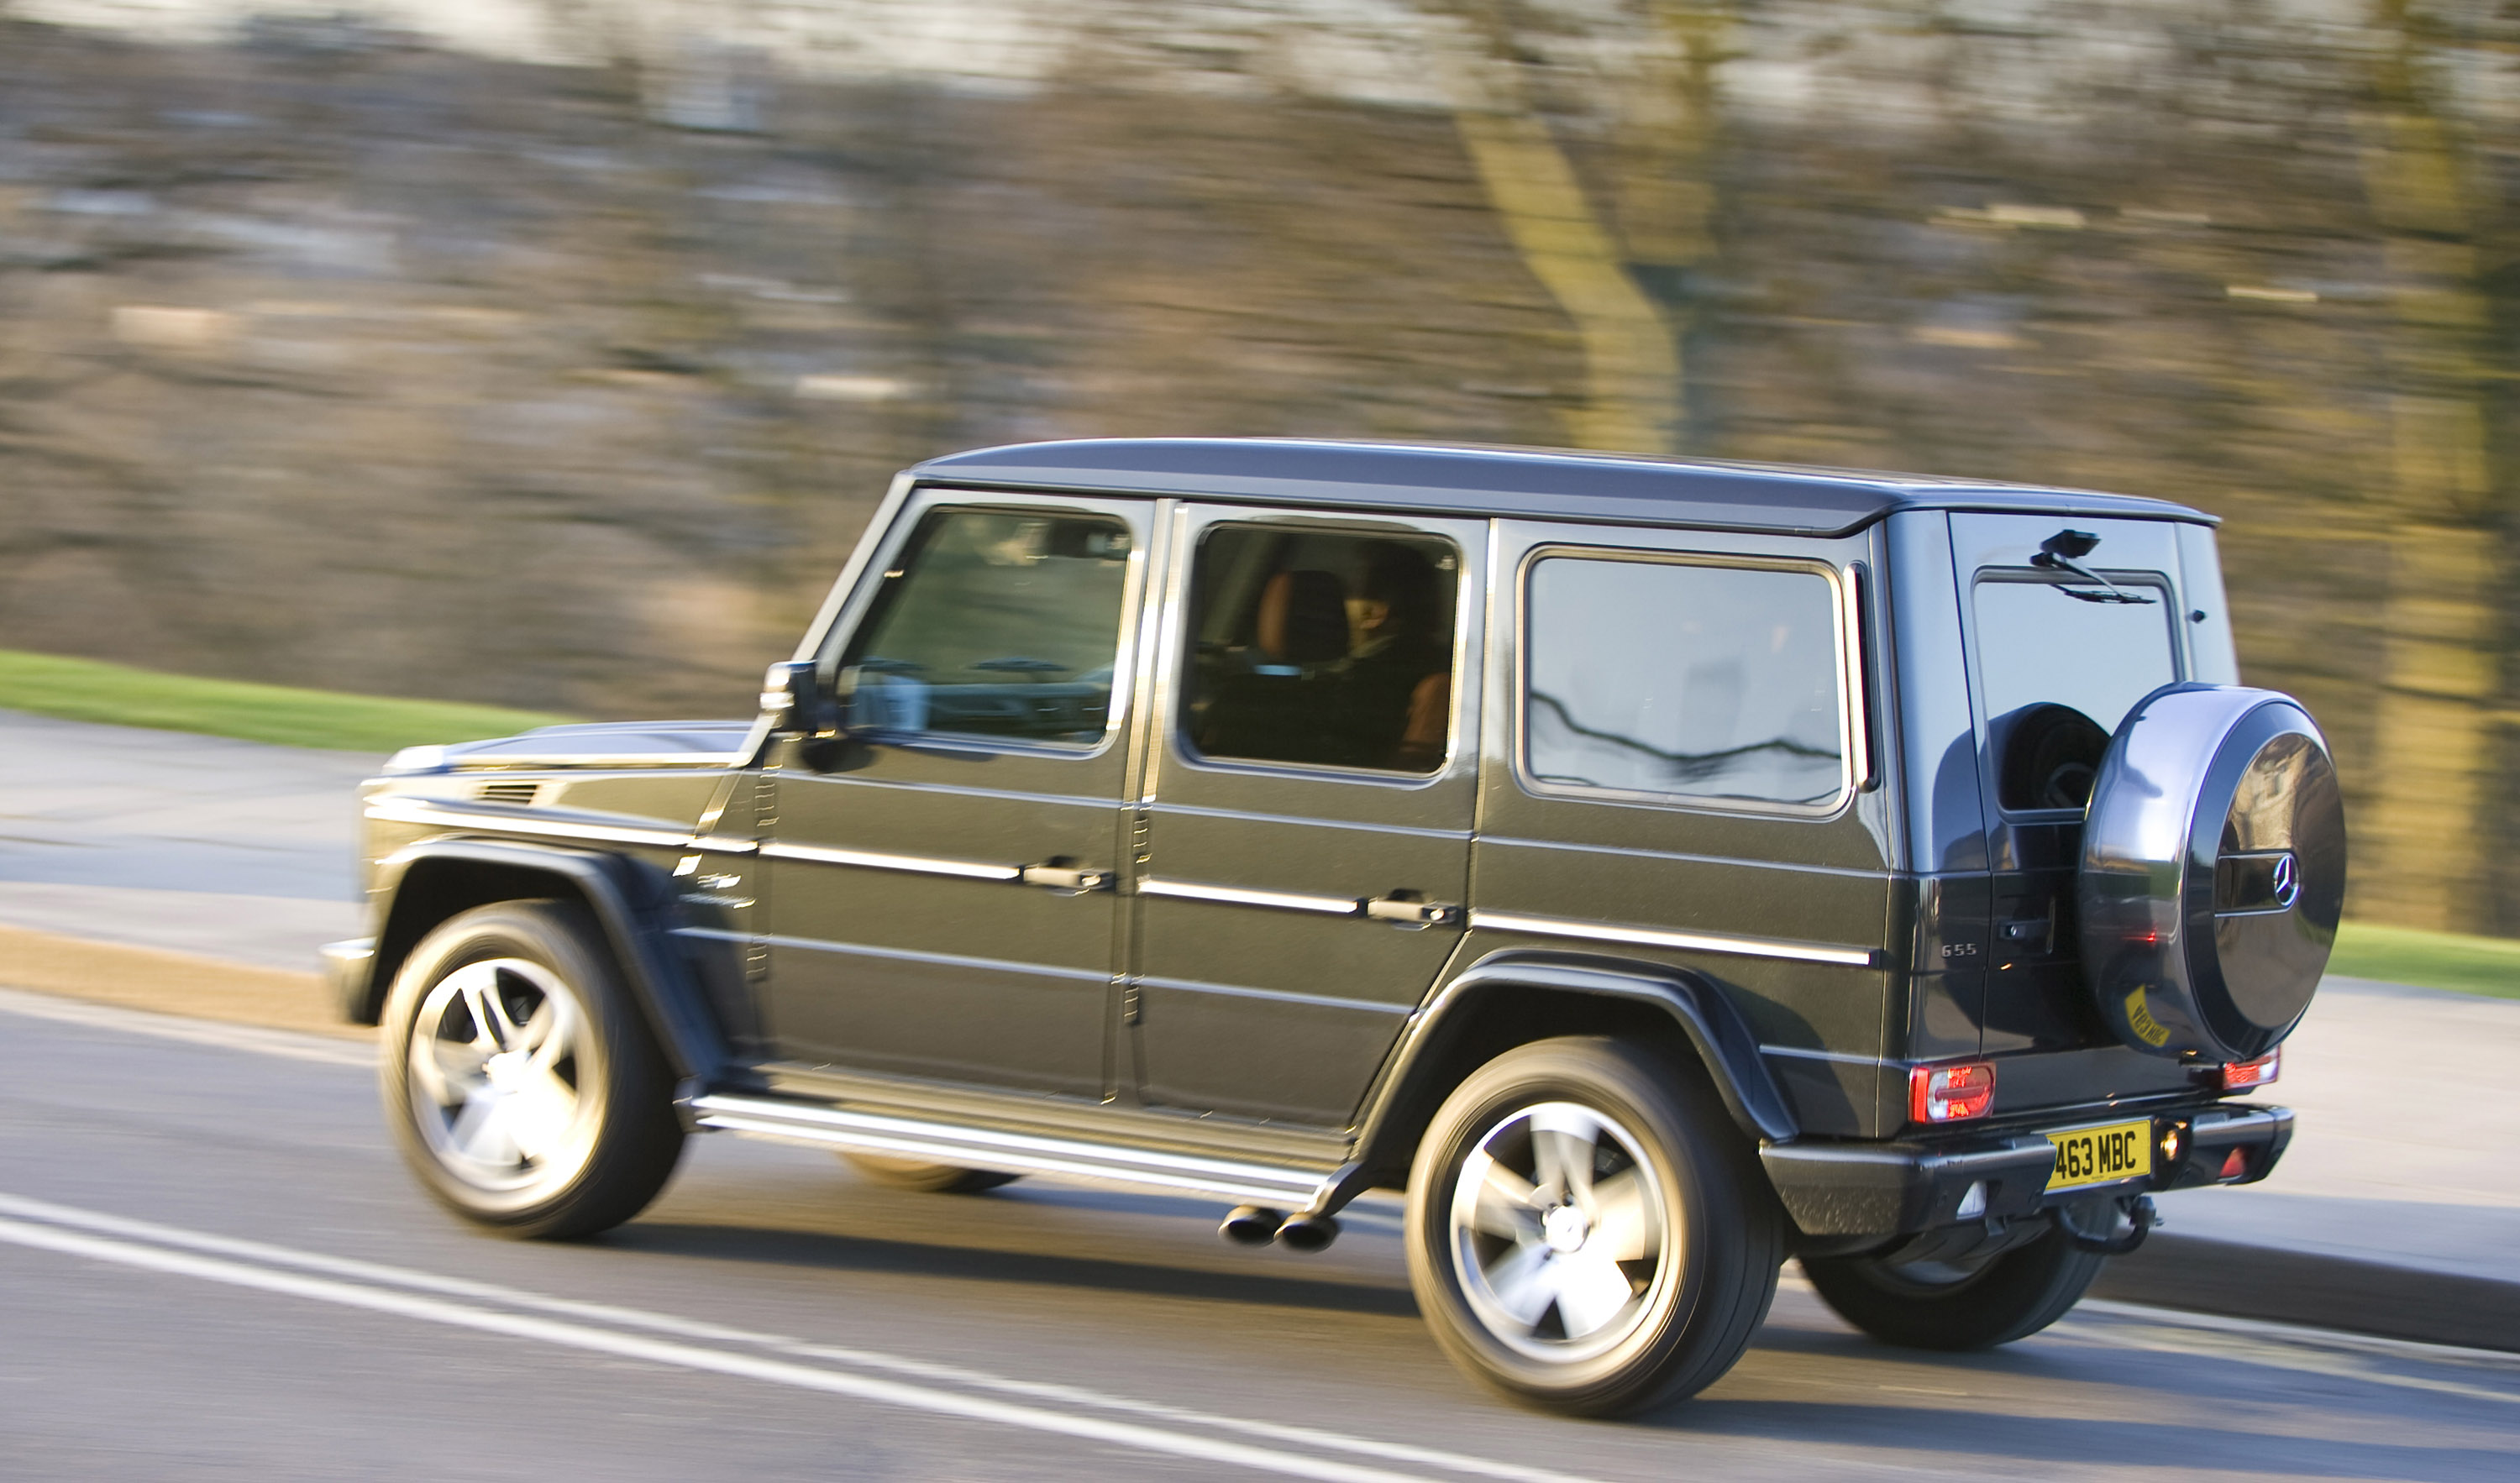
1309, 1233
1251, 1225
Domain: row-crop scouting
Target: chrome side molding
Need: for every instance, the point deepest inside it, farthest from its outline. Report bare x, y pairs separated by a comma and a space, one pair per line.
1061, 875
1694, 942
1235, 895
1012, 1152
413, 811
875, 860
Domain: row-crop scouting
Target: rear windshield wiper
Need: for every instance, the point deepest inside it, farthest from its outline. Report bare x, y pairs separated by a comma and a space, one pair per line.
2058, 554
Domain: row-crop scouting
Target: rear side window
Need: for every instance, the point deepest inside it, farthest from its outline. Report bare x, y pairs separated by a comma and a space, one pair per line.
1683, 680
994, 624
1321, 648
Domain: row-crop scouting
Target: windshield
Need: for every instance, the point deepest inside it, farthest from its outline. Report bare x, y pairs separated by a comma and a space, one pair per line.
2058, 673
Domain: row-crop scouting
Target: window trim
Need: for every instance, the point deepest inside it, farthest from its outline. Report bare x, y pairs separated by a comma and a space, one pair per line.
1854, 760
905, 525
1982, 719
1174, 668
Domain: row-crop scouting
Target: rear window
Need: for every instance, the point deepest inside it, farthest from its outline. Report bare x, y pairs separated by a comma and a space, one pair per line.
1683, 680
2058, 672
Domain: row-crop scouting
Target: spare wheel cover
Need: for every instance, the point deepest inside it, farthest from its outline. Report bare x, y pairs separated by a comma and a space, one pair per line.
2212, 872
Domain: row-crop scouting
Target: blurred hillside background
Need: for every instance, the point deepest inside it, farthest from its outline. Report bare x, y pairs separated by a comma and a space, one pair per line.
551, 353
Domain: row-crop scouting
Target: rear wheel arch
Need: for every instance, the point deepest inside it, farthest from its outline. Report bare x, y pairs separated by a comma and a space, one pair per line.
1512, 999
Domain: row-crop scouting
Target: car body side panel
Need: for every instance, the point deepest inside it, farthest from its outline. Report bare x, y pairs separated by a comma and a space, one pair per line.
1803, 898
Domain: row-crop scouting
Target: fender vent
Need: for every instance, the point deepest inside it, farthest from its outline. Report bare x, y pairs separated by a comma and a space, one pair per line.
522, 795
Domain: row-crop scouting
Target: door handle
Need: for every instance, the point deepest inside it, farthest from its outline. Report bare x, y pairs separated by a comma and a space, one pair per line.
1061, 874
1411, 909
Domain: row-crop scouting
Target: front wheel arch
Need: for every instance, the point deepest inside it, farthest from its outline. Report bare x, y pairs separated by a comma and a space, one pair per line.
435, 882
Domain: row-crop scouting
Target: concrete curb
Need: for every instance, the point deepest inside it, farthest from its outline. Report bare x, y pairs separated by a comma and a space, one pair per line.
169, 983
2304, 1288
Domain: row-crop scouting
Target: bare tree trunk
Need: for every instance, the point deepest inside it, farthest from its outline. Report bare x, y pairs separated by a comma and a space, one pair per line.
1632, 359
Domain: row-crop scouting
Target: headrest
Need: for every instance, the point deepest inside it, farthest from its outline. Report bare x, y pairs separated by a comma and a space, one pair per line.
1303, 618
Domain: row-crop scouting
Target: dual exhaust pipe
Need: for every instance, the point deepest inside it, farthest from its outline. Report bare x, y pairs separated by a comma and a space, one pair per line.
1258, 1226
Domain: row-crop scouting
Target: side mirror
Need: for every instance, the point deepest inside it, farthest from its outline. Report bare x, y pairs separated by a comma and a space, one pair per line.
790, 697
824, 719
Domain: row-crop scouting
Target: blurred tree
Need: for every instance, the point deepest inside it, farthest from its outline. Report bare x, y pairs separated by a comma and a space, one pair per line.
2424, 841
1633, 372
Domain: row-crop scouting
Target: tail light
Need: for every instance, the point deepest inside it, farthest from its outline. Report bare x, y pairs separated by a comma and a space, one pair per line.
1951, 1093
2241, 1075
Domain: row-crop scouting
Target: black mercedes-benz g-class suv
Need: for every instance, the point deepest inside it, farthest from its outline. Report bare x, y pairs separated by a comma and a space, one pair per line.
1655, 868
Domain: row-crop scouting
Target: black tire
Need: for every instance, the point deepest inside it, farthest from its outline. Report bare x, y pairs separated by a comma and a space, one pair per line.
927, 1179
567, 1129
1934, 1306
1667, 1173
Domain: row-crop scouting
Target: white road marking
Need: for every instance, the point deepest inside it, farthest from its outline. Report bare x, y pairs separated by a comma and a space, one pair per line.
363, 1278
2298, 1333
201, 1032
2274, 1352
2281, 1345
688, 1356
2178, 1330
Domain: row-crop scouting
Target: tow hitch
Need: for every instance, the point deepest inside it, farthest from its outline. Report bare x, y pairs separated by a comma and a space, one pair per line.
2135, 1211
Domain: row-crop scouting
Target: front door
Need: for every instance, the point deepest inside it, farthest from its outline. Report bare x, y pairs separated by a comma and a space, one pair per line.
1305, 820
939, 901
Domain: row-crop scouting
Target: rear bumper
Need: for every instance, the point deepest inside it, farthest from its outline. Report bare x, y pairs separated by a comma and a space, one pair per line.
1899, 1187
347, 967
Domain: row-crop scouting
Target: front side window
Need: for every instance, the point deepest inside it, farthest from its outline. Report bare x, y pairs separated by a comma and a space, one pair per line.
1317, 647
2059, 665
994, 624
1683, 680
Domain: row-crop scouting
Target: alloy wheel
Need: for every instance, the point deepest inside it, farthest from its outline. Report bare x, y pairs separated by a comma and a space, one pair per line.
1557, 1235
494, 1076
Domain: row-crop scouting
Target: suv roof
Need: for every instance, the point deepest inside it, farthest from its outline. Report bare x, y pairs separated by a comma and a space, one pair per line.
1544, 484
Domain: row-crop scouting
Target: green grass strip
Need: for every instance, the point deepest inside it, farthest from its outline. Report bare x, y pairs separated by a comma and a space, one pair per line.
87, 690
2428, 959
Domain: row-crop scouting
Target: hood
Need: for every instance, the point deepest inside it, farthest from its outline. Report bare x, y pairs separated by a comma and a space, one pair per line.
596, 743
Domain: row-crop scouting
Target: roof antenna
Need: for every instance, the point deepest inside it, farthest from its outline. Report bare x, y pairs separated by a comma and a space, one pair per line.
2060, 553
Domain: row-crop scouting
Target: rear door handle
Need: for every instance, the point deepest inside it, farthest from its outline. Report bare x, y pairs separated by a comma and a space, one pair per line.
1411, 909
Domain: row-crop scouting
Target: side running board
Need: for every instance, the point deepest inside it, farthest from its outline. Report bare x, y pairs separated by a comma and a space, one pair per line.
1015, 1152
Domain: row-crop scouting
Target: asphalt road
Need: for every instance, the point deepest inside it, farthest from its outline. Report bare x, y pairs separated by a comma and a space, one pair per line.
212, 1267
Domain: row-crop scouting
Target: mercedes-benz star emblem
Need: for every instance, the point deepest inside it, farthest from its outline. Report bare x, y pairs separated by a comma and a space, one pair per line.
2287, 881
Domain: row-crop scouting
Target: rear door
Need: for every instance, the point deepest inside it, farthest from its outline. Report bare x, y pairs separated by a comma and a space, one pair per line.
1304, 825
1680, 773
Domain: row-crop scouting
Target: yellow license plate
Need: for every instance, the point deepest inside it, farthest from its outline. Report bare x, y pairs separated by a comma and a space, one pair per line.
2102, 1155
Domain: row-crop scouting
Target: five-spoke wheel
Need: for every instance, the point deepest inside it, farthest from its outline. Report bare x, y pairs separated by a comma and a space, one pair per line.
493, 1065
522, 1084
1587, 1232
1557, 1231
